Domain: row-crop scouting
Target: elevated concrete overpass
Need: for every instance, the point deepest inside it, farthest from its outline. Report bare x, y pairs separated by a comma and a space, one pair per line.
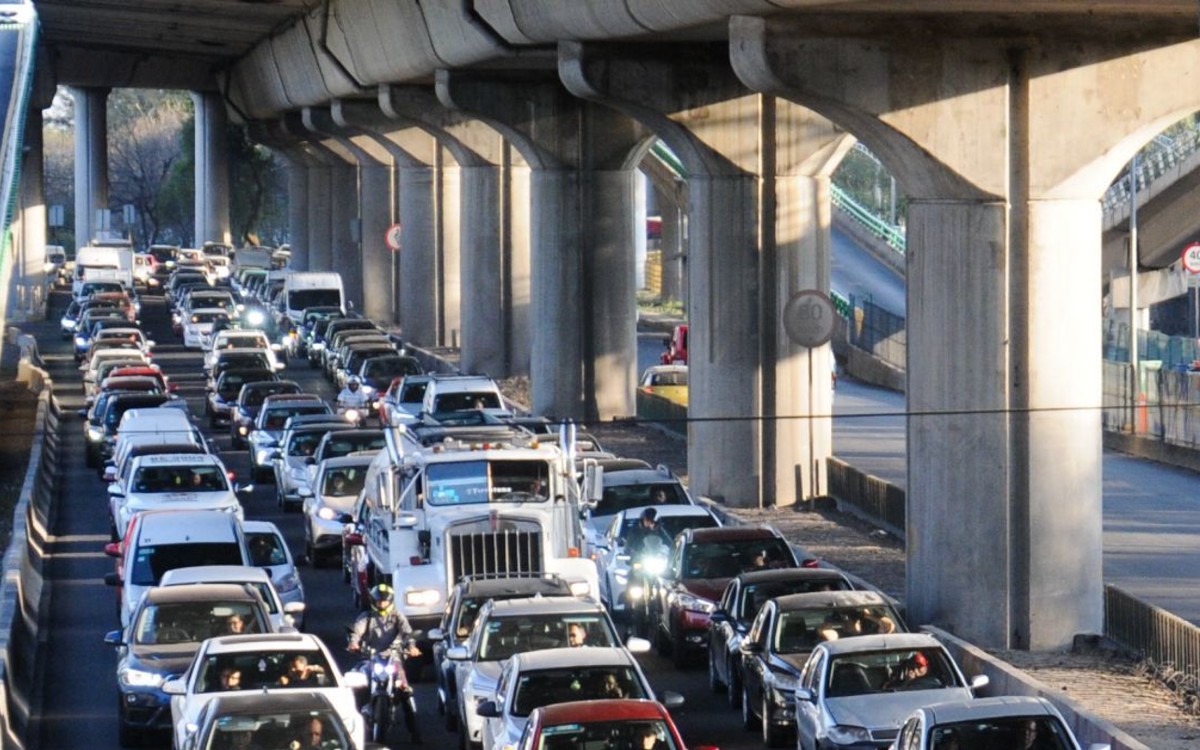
503, 135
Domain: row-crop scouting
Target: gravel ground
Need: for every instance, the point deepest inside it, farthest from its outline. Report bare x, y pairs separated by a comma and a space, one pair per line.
1107, 684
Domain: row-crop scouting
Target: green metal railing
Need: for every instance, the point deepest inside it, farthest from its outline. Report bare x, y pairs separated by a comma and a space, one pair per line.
892, 235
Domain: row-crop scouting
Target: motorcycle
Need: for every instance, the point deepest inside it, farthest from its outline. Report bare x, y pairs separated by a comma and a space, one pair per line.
389, 689
644, 570
356, 416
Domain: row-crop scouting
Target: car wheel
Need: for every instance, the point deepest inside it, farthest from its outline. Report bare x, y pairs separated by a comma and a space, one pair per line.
661, 640
733, 688
714, 678
749, 720
680, 657
311, 553
212, 420
451, 720
772, 736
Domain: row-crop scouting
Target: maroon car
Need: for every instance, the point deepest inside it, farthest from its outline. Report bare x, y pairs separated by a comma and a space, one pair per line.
701, 564
603, 723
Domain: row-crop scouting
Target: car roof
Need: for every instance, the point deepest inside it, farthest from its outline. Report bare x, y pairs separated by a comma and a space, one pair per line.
177, 459
623, 477
785, 574
193, 592
732, 534
678, 509
260, 527
253, 702
891, 641
655, 369
290, 398
583, 712
554, 658
215, 574
952, 712
349, 460
182, 525
516, 587
253, 642
830, 599
534, 605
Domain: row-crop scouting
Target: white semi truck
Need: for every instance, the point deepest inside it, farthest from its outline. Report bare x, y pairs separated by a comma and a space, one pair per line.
440, 504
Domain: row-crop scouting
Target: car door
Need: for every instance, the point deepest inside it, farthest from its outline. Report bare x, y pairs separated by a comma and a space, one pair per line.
807, 714
721, 633
506, 692
665, 583
754, 657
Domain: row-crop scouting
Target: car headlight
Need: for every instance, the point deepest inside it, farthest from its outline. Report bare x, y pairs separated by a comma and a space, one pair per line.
81, 341
316, 347
68, 325
422, 597
298, 473
695, 603
141, 678
95, 434
326, 513
848, 735
287, 582
255, 317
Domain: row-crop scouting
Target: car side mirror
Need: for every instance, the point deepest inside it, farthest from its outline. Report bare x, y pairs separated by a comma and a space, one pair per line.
671, 699
488, 710
750, 647
719, 616
436, 634
804, 694
174, 686
112, 549
980, 681
112, 579
457, 653
113, 638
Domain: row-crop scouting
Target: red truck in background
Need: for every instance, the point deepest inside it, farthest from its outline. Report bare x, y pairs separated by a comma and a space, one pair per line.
677, 347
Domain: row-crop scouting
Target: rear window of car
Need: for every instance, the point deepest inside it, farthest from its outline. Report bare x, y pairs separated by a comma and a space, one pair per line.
504, 636
727, 559
259, 670
621, 497
543, 687
277, 418
151, 561
344, 446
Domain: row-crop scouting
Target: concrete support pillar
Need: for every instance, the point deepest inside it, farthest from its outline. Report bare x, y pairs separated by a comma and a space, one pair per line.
418, 287
450, 250
320, 210
297, 212
29, 230
518, 248
91, 160
673, 247
377, 203
579, 209
482, 274
344, 254
212, 169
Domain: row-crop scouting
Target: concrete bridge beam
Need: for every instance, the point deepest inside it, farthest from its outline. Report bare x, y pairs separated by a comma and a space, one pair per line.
582, 187
758, 233
1005, 145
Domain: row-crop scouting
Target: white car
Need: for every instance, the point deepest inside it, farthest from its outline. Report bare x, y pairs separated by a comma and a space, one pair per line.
510, 626
333, 494
197, 325
614, 563
264, 665
1005, 721
268, 550
539, 678
235, 338
283, 616
174, 481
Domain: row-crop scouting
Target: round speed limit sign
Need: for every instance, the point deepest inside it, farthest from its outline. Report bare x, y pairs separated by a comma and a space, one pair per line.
393, 237
1191, 258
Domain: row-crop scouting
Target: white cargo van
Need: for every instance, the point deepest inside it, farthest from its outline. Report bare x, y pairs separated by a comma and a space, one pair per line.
104, 261
304, 289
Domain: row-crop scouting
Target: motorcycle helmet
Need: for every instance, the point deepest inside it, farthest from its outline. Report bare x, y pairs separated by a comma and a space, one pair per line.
353, 382
382, 598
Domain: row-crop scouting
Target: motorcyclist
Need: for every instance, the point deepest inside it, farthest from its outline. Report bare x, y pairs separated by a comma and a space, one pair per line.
383, 628
647, 527
648, 539
352, 397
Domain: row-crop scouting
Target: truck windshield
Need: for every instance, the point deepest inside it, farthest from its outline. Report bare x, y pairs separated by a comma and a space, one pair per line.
301, 299
475, 482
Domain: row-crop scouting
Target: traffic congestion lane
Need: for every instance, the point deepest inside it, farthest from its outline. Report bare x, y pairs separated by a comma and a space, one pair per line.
83, 609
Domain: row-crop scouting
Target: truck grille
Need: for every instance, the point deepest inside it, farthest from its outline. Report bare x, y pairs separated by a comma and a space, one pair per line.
514, 547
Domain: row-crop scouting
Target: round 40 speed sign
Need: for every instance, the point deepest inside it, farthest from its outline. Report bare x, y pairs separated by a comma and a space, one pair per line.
1191, 258
808, 318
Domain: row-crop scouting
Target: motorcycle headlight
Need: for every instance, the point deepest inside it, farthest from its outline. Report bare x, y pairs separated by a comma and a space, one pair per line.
422, 597
288, 582
849, 735
352, 415
141, 678
695, 603
255, 318
655, 566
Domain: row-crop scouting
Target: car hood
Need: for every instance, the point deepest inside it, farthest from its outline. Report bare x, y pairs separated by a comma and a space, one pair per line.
887, 710
170, 659
485, 675
709, 588
792, 662
344, 503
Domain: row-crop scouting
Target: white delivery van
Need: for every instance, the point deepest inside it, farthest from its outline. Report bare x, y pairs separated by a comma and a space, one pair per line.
304, 289
103, 261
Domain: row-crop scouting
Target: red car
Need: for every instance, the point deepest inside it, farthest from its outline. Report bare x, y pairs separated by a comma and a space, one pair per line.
701, 564
603, 723
677, 347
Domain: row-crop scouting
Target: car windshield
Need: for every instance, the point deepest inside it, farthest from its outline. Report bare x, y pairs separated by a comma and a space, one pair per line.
151, 561
257, 670
413, 393
471, 482
304, 443
299, 299
543, 687
266, 548
1040, 732
667, 378
467, 400
868, 672
672, 525
255, 396
231, 383
504, 636
343, 481
727, 559
605, 734
271, 731
391, 367
799, 631
617, 498
192, 622
160, 479
275, 419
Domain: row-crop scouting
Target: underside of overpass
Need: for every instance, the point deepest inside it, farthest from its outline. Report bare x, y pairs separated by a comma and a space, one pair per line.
504, 135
